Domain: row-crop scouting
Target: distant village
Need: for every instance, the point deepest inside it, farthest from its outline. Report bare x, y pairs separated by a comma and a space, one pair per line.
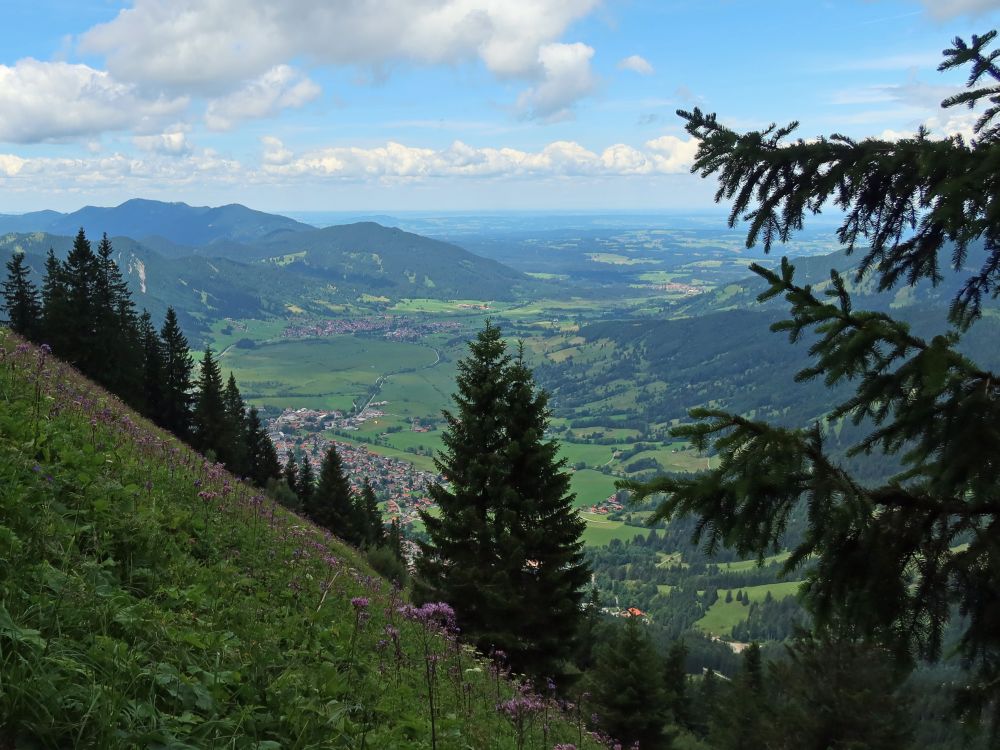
397, 482
391, 327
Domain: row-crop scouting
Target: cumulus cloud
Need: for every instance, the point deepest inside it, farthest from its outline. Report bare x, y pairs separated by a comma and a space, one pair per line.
636, 64
282, 87
172, 142
50, 101
566, 77
118, 171
942, 9
212, 46
398, 162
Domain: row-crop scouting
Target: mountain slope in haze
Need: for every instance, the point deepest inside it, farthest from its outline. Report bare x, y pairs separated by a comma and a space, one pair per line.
370, 258
200, 289
177, 223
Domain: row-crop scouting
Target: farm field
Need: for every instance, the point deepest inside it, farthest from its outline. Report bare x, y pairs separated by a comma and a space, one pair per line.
723, 615
327, 373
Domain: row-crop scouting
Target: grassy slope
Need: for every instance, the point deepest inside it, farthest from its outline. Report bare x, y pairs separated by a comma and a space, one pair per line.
148, 599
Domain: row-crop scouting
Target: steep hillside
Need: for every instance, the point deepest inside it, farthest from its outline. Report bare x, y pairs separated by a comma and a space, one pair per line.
149, 599
178, 223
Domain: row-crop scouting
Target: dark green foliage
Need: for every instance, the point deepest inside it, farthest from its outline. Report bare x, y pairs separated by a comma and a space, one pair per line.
505, 548
55, 308
305, 484
235, 441
177, 368
675, 682
77, 321
743, 719
626, 685
835, 693
332, 504
262, 458
153, 368
370, 517
21, 301
888, 557
209, 418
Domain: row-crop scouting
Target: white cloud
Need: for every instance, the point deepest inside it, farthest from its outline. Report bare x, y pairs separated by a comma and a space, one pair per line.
636, 64
170, 142
942, 9
566, 78
10, 165
280, 88
50, 101
395, 161
213, 46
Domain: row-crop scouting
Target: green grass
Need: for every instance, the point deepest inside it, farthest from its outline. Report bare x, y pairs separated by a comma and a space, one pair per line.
601, 530
723, 615
327, 373
148, 599
591, 487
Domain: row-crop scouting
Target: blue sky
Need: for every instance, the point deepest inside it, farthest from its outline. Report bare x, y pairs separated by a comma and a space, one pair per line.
442, 104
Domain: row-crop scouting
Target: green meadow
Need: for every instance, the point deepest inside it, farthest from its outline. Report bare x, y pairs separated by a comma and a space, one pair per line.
723, 615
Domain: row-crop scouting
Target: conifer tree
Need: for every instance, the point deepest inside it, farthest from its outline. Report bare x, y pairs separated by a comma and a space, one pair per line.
21, 301
741, 723
235, 440
888, 557
675, 681
153, 369
262, 458
211, 423
79, 319
394, 539
117, 355
305, 485
332, 504
175, 414
627, 688
505, 547
290, 473
370, 516
55, 308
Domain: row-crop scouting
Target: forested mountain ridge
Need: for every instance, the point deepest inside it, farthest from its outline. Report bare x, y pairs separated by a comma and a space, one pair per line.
178, 223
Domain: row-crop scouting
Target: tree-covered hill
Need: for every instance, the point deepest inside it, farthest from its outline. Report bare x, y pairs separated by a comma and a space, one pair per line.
149, 599
177, 223
387, 261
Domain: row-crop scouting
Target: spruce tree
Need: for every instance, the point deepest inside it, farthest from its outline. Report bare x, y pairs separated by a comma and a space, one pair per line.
332, 504
370, 516
742, 721
235, 438
79, 321
675, 681
117, 348
394, 539
55, 307
887, 556
262, 459
626, 687
211, 423
175, 414
290, 475
305, 485
21, 301
153, 369
505, 549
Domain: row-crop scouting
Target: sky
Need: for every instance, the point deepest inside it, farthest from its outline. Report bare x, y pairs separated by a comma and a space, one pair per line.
444, 105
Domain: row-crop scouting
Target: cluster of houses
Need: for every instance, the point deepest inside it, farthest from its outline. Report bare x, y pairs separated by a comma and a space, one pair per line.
391, 327
311, 420
403, 487
609, 505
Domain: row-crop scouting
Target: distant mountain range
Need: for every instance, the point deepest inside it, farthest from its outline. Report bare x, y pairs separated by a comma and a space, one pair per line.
178, 223
232, 261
